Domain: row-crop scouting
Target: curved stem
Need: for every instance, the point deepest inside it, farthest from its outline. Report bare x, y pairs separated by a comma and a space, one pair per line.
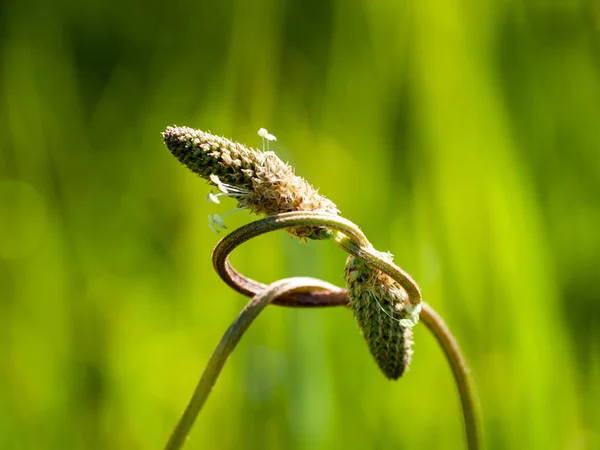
462, 374
227, 344
349, 237
370, 256
338, 296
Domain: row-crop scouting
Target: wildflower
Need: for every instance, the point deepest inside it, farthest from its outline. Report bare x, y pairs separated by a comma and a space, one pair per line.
384, 315
258, 181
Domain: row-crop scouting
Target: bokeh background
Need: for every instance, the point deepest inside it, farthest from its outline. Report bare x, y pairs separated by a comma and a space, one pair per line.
462, 136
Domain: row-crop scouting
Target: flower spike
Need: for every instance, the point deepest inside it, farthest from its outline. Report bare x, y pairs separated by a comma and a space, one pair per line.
383, 313
259, 181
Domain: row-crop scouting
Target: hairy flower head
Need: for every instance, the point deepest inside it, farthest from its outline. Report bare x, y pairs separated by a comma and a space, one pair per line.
383, 313
259, 181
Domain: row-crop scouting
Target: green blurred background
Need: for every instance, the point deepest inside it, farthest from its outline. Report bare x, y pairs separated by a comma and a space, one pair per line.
462, 136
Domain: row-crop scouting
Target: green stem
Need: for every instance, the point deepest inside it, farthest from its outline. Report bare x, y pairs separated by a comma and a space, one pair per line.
353, 241
348, 237
461, 372
227, 345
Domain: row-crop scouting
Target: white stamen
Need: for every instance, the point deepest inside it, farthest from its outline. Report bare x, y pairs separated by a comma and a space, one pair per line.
407, 323
413, 311
219, 221
211, 197
220, 185
264, 134
232, 190
211, 224
413, 316
216, 220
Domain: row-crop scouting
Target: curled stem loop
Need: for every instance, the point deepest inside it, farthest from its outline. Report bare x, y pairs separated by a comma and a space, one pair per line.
347, 235
308, 292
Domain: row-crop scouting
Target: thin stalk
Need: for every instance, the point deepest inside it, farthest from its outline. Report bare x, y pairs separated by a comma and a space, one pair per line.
353, 242
347, 235
462, 374
227, 344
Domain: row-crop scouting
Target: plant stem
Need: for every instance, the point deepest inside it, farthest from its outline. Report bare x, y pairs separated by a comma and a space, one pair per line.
348, 236
227, 344
461, 372
370, 256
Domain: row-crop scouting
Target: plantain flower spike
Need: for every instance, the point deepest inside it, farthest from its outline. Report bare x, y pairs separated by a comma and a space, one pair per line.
384, 315
258, 180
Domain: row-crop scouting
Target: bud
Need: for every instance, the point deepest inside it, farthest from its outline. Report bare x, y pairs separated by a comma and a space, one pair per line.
384, 315
259, 181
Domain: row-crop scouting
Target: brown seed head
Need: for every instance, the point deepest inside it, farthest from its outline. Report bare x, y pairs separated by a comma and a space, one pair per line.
381, 308
260, 181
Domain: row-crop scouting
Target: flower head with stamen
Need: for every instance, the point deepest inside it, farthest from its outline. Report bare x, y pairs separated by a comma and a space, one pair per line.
384, 315
258, 181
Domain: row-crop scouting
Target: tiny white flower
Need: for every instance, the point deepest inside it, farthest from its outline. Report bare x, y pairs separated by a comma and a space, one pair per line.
263, 133
270, 137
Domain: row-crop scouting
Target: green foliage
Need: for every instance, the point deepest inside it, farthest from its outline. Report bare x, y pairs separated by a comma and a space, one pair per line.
464, 138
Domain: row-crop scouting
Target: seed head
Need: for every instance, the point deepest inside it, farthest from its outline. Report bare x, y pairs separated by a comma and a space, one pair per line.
259, 181
384, 315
